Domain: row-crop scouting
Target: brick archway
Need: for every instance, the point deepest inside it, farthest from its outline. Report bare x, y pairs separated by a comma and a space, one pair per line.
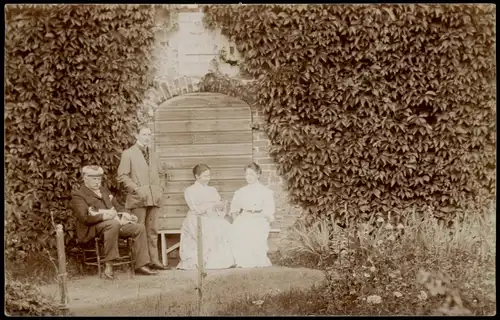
164, 90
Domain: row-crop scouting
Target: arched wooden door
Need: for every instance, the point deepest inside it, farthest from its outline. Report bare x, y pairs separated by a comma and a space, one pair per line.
208, 128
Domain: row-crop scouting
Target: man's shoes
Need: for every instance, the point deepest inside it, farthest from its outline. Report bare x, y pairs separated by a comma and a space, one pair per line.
157, 266
144, 270
108, 271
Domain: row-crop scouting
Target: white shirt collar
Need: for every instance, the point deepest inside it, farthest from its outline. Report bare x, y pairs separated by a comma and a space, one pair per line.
96, 191
199, 185
141, 146
254, 185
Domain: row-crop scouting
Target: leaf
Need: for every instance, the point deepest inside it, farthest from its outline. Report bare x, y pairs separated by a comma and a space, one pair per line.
391, 14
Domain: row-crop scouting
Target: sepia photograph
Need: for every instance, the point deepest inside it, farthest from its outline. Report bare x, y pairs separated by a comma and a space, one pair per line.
250, 159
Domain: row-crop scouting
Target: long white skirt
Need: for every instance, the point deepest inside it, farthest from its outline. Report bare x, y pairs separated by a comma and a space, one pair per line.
217, 253
249, 236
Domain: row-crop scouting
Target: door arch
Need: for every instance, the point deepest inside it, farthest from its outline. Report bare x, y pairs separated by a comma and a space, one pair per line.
210, 128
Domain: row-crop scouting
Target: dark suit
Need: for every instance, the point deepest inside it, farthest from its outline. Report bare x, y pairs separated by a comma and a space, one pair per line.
136, 174
88, 227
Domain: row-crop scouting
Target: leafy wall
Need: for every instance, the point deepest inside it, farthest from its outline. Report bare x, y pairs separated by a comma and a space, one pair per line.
74, 76
374, 109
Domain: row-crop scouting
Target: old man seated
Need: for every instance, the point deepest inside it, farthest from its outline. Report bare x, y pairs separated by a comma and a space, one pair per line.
99, 214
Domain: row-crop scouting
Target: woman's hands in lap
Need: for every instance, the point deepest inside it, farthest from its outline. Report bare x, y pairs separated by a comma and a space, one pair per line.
221, 205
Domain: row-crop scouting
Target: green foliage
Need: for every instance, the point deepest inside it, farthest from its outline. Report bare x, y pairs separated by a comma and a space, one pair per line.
417, 267
74, 77
217, 82
24, 299
374, 108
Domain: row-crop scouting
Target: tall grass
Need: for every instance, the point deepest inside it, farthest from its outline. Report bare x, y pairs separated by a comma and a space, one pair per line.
303, 246
415, 267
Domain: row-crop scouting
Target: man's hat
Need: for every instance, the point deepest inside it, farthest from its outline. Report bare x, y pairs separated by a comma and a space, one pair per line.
92, 171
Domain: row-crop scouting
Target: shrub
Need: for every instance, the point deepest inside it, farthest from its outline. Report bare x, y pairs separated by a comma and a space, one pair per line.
374, 108
417, 267
74, 77
24, 299
305, 244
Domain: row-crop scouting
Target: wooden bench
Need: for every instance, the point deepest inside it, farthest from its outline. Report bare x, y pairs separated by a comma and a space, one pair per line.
165, 250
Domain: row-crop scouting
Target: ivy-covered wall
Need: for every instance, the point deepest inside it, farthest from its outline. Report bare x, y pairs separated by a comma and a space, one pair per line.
74, 76
374, 109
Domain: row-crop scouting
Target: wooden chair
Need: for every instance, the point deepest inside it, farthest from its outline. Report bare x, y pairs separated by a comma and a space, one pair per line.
91, 254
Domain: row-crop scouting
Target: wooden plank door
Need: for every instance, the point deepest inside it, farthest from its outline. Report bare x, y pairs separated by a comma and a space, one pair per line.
208, 128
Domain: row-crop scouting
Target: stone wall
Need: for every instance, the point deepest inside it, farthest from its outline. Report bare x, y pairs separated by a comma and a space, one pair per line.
190, 49
182, 57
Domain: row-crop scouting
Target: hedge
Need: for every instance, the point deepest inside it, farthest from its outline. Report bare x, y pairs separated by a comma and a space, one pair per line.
26, 299
374, 109
74, 77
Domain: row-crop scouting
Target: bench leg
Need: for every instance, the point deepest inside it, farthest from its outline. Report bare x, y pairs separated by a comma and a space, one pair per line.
164, 258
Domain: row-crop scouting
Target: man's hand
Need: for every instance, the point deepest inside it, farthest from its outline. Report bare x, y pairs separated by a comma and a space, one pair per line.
163, 170
167, 176
93, 211
141, 193
129, 217
109, 214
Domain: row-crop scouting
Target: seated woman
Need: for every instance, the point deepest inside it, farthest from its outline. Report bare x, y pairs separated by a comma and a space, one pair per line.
253, 209
205, 201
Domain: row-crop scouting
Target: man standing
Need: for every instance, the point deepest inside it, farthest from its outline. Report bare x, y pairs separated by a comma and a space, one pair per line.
139, 172
96, 213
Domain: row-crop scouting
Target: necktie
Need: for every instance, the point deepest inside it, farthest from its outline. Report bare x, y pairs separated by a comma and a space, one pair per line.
98, 193
145, 153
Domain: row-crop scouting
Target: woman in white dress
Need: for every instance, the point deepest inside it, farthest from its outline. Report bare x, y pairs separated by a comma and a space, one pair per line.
253, 210
204, 200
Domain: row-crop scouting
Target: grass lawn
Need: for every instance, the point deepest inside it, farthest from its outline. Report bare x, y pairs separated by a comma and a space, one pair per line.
173, 292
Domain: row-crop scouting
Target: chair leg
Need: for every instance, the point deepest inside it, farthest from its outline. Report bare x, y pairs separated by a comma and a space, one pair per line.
132, 258
98, 255
82, 262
